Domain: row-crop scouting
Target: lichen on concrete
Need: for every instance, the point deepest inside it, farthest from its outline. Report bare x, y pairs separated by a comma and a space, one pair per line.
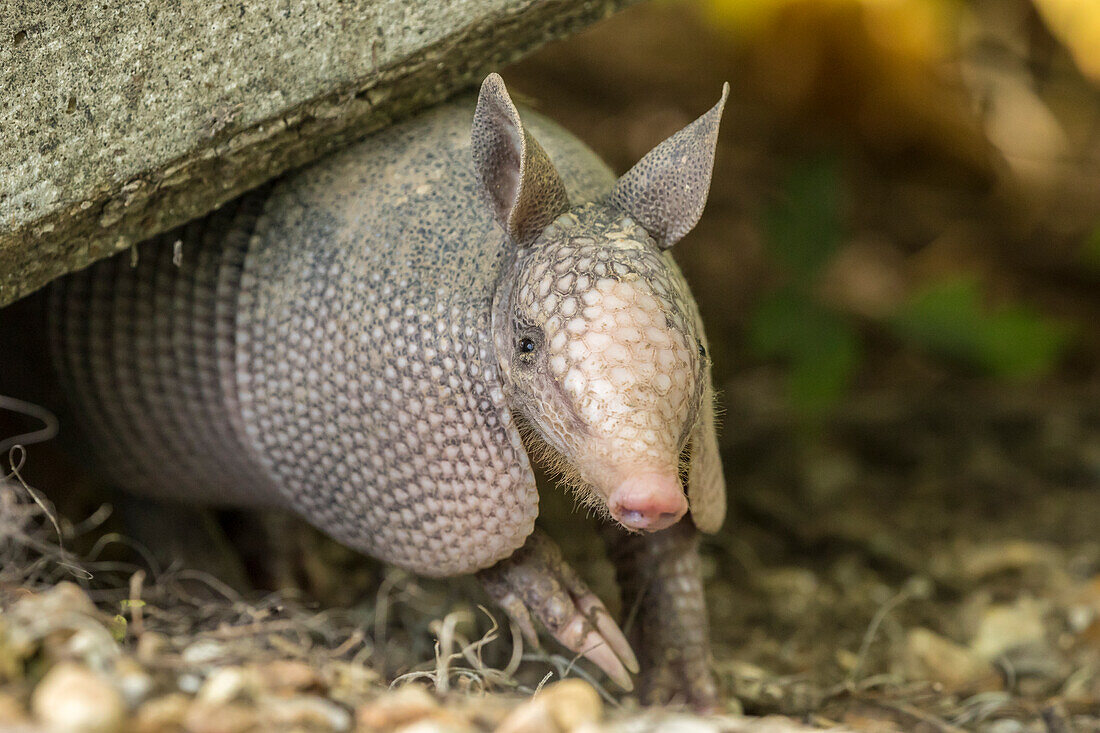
119, 120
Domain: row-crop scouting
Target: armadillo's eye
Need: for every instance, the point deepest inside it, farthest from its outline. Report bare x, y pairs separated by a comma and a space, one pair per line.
702, 349
528, 342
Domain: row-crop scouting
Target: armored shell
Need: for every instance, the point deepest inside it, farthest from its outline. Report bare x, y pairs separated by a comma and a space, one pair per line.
324, 345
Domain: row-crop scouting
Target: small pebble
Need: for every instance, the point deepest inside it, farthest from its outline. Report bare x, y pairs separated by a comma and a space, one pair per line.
132, 681
532, 716
307, 712
433, 725
95, 648
660, 720
1005, 725
348, 682
203, 651
572, 702
287, 675
229, 718
562, 706
1010, 556
400, 707
162, 713
929, 656
151, 646
224, 685
71, 698
189, 683
11, 712
63, 598
1005, 627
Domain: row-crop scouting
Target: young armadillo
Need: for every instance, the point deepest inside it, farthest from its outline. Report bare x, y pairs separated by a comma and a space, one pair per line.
380, 341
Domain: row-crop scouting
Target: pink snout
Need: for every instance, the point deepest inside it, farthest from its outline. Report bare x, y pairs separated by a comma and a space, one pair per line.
649, 502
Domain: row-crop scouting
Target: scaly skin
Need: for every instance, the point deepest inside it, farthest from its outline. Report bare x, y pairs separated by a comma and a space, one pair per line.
360, 342
661, 584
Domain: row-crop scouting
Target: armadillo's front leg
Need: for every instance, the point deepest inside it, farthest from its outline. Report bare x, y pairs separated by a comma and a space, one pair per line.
660, 578
535, 582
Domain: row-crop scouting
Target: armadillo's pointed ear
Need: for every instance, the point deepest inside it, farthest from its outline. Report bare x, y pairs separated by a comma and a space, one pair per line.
666, 190
518, 181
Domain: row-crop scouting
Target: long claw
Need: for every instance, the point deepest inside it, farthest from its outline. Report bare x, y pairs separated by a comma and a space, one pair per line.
579, 636
513, 606
536, 584
600, 617
596, 649
616, 640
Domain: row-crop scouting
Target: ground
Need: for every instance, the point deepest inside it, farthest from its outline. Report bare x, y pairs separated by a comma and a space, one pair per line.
917, 552
935, 567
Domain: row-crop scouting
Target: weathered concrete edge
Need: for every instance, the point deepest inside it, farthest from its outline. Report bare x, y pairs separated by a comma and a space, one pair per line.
239, 159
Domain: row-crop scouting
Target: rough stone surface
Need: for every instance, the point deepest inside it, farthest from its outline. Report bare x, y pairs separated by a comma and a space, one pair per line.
121, 120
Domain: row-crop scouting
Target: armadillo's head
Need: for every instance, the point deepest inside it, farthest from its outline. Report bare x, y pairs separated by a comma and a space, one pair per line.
604, 358
598, 338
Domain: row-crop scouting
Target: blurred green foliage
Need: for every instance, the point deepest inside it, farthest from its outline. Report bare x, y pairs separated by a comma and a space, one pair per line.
949, 318
804, 228
820, 345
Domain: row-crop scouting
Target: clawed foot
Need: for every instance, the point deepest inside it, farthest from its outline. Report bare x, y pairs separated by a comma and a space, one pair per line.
674, 671
661, 582
535, 583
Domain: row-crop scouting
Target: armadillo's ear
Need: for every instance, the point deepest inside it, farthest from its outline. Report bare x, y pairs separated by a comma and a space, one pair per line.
518, 180
666, 190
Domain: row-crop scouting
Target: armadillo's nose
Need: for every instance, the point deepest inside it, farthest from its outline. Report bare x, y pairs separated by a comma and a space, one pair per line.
649, 502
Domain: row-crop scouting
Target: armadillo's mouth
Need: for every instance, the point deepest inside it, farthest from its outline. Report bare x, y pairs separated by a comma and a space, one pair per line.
641, 499
648, 502
652, 501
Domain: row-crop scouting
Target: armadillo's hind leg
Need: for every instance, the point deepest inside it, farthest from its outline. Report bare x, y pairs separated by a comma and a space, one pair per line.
536, 582
660, 578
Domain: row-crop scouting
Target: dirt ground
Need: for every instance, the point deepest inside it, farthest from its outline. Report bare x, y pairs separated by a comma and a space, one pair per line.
923, 555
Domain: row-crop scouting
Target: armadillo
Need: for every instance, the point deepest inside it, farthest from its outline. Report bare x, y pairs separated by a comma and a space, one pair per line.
384, 343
